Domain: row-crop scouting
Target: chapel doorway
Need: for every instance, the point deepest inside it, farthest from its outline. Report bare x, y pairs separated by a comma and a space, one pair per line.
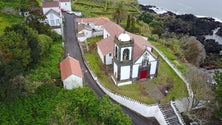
143, 74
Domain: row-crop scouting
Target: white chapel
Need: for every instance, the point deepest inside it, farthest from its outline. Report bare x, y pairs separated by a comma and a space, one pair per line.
130, 54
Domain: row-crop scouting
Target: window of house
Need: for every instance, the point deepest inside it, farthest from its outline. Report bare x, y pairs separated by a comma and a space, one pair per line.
110, 54
116, 51
145, 62
57, 22
52, 22
126, 54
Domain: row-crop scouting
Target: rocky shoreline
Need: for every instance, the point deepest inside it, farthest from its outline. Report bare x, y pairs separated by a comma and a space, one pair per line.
193, 26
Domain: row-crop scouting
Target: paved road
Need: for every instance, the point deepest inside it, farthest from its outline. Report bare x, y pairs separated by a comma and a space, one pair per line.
72, 48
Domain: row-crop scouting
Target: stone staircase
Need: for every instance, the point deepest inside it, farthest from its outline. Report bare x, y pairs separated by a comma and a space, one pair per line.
169, 114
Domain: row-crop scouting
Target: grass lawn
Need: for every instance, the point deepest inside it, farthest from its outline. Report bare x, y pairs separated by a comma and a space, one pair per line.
47, 70
95, 9
173, 58
48, 65
140, 90
7, 20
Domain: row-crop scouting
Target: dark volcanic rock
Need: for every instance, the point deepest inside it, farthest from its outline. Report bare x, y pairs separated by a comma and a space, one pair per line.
219, 32
193, 26
211, 46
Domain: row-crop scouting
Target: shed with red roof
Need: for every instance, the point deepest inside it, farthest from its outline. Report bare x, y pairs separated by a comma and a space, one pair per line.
71, 73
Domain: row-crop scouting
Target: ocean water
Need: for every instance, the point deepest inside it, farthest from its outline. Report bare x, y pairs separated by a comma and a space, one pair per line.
207, 8
200, 8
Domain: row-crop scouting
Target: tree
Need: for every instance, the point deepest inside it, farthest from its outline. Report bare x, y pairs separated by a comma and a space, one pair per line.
120, 13
157, 27
202, 103
45, 43
31, 36
110, 114
194, 51
218, 91
15, 54
146, 17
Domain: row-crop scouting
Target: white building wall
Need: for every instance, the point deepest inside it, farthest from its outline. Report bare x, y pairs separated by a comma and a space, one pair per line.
100, 54
53, 19
115, 69
130, 52
109, 59
151, 58
66, 6
97, 33
81, 39
153, 67
72, 81
105, 34
58, 30
135, 70
46, 9
125, 72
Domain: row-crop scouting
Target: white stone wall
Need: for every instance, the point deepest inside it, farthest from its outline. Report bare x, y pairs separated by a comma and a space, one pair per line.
125, 72
100, 54
82, 39
66, 6
97, 33
72, 81
142, 109
109, 58
58, 30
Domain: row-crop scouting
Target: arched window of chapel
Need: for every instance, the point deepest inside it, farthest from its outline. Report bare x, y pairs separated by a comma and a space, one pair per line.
126, 54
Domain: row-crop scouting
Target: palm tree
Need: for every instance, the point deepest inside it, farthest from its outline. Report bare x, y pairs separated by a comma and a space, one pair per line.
120, 13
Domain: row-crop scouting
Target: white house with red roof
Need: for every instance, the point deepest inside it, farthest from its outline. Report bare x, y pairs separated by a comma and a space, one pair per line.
90, 27
52, 11
71, 73
130, 54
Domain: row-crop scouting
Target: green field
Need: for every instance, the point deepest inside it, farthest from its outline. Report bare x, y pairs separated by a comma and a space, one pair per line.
104, 8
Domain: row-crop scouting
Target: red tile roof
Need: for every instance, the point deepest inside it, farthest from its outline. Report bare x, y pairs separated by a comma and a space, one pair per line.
113, 29
106, 45
70, 66
50, 4
95, 20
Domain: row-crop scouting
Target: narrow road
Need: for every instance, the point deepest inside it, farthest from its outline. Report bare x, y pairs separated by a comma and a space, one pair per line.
72, 49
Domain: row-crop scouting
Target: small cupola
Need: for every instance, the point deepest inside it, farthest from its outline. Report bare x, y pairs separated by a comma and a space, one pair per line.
124, 37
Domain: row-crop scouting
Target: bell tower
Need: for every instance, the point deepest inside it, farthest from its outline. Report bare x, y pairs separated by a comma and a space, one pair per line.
123, 57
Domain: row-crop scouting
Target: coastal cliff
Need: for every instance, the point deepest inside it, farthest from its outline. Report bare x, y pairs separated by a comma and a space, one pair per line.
188, 24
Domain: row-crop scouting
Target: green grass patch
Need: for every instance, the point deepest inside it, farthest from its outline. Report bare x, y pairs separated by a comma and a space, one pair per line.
48, 66
8, 20
95, 9
170, 55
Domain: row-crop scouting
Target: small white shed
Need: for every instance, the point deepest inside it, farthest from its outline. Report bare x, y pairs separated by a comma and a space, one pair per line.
71, 73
